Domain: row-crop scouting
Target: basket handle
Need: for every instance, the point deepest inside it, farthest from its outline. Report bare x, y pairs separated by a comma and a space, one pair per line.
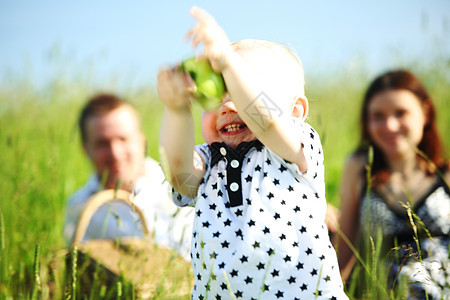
94, 203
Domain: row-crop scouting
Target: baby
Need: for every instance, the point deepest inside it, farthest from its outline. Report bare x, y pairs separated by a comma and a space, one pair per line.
258, 183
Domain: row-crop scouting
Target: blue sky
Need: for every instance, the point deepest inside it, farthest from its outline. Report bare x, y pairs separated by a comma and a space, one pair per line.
131, 40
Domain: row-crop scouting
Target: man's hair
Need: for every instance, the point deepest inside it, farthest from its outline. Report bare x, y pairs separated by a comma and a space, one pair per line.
99, 105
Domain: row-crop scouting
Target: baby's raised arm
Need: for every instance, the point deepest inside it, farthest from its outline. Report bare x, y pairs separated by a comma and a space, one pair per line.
183, 166
245, 85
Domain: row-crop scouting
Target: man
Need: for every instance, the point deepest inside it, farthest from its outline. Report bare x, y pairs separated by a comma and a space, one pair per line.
113, 141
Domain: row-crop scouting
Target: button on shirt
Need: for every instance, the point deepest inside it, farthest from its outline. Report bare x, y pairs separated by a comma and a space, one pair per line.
171, 226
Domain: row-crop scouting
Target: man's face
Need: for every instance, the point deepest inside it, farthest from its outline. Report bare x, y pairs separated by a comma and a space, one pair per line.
115, 145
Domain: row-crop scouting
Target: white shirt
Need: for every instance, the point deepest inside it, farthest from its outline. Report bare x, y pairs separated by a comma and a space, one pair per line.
170, 226
259, 225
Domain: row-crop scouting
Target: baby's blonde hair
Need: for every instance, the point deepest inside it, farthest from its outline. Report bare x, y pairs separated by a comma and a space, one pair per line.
285, 61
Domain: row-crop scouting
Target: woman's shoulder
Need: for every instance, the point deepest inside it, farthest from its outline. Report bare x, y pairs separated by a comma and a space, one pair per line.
357, 161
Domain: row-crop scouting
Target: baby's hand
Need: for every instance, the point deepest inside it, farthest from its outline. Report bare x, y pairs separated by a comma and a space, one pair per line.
216, 45
175, 88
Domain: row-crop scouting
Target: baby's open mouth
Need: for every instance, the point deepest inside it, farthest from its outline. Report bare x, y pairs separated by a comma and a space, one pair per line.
230, 128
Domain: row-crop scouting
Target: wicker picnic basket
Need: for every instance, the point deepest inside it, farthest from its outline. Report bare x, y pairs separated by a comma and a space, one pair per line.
149, 269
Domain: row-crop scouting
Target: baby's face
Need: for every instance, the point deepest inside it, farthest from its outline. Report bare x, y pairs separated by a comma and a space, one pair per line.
225, 125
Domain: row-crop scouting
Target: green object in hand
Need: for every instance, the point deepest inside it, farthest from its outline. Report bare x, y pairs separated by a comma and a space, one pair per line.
210, 85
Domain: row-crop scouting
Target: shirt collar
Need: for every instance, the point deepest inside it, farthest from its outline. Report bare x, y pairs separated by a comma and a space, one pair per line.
221, 150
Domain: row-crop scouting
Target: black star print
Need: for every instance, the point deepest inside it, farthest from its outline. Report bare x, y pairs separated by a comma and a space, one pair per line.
268, 161
227, 222
212, 206
310, 216
220, 174
223, 286
333, 298
225, 244
214, 186
248, 280
239, 233
239, 212
289, 223
244, 259
303, 229
304, 287
206, 224
248, 201
248, 178
227, 205
258, 168
270, 251
299, 266
207, 287
255, 245
260, 266
291, 280
316, 236
213, 255
290, 189
308, 251
199, 212
218, 297
276, 216
204, 195
251, 223
201, 297
199, 277
282, 169
283, 202
265, 288
279, 294
234, 273
295, 244
327, 278
311, 135
219, 214
287, 258
276, 182
297, 209
282, 236
275, 273
222, 265
219, 194
238, 294
265, 174
313, 272
266, 230
270, 196
304, 196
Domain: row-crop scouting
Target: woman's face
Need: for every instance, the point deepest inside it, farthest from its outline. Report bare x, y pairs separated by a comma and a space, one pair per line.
396, 119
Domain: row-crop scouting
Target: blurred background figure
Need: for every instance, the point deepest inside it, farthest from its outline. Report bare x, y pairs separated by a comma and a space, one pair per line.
408, 184
114, 143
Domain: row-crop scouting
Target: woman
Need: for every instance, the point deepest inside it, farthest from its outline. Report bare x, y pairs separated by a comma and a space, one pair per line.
398, 122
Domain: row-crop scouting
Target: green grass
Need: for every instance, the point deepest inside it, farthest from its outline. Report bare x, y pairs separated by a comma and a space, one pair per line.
41, 162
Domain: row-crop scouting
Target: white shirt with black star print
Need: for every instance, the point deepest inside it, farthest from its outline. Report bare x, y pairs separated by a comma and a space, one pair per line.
259, 230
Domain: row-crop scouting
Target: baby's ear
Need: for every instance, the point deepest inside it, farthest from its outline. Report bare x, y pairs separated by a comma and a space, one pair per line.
300, 108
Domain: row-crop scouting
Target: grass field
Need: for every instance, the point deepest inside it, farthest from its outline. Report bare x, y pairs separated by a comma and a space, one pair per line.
41, 162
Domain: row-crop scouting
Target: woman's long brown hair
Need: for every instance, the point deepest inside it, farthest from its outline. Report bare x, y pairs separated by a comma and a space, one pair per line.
430, 145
